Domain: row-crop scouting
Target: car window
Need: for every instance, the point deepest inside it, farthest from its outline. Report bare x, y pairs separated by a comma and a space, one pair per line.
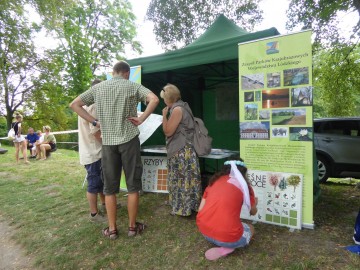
348, 128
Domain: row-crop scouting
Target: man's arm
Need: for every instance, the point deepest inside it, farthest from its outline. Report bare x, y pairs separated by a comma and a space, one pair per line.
77, 106
152, 101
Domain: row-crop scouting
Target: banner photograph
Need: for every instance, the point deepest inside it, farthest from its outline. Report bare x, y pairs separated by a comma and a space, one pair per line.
276, 126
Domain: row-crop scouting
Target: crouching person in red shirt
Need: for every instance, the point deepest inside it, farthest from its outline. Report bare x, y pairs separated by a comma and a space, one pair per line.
218, 218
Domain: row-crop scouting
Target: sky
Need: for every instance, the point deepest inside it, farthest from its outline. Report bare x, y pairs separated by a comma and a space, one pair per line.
274, 16
275, 19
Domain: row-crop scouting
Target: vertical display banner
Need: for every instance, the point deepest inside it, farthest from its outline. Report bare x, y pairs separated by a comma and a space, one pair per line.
276, 127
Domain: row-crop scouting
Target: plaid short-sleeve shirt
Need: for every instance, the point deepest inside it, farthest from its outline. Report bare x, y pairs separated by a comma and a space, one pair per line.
115, 101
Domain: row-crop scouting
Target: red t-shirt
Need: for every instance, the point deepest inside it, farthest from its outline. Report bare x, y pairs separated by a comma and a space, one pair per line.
220, 217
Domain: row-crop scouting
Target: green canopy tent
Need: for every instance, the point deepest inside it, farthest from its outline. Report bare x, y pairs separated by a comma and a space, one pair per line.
206, 72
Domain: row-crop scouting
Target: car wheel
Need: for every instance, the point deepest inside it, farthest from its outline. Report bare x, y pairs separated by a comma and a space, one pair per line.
323, 169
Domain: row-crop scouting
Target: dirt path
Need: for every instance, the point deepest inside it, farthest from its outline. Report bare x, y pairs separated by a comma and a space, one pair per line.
12, 255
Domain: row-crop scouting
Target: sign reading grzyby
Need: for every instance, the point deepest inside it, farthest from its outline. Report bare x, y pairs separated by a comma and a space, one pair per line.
276, 129
154, 176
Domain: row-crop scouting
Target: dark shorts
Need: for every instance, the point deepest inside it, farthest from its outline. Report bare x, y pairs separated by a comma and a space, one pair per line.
123, 156
52, 145
94, 177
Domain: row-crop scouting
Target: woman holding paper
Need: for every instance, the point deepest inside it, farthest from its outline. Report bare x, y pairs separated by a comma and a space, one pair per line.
219, 213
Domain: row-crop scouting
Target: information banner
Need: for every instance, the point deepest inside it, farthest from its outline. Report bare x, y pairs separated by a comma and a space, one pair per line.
154, 177
276, 129
279, 198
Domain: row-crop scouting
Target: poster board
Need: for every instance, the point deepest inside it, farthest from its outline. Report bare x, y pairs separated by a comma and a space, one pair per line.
279, 198
275, 112
154, 176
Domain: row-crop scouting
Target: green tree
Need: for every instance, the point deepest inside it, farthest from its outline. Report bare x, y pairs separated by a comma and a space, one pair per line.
336, 56
93, 34
323, 18
18, 61
337, 81
179, 22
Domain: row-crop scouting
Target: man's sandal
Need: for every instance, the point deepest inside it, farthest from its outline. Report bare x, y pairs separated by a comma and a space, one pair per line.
138, 229
110, 234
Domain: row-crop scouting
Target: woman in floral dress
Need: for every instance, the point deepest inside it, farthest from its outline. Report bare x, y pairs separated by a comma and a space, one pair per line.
184, 180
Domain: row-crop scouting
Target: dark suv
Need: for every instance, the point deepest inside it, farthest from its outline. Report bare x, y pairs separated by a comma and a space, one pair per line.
337, 146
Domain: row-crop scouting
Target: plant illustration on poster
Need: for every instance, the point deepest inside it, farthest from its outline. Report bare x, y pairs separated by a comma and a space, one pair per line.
279, 198
276, 133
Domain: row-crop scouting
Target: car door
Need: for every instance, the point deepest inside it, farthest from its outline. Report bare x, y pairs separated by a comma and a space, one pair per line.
340, 139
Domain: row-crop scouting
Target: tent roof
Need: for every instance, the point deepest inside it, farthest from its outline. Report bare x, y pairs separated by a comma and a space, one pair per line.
217, 44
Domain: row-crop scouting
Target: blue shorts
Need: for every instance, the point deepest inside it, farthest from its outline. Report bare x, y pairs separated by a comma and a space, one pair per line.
242, 242
94, 177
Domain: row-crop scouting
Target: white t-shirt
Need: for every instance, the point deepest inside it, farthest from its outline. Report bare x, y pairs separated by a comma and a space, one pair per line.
89, 146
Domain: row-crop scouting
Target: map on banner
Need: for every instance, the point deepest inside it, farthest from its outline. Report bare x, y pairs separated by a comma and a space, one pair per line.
279, 198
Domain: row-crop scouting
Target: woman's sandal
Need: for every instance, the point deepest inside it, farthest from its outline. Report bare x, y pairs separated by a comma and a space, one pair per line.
138, 229
110, 234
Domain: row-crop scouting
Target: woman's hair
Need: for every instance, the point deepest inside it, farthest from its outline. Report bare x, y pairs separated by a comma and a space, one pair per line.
171, 93
18, 116
47, 128
226, 171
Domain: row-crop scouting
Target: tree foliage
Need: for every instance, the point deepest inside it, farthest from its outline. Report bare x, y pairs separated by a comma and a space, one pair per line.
179, 22
18, 61
323, 18
336, 81
93, 34
336, 56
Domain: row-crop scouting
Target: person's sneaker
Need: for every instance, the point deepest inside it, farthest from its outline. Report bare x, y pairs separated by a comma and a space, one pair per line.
97, 218
103, 208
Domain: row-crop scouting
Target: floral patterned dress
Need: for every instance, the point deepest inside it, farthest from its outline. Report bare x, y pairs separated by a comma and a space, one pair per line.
184, 181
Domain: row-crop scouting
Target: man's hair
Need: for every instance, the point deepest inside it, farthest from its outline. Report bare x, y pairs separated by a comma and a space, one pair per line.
96, 81
121, 67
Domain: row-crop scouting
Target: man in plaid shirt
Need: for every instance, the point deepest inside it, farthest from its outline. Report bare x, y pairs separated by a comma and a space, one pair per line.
116, 106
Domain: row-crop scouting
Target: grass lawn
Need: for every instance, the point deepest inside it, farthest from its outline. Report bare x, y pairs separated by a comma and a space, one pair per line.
45, 204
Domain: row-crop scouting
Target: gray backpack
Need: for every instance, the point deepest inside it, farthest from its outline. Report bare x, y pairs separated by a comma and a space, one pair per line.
202, 141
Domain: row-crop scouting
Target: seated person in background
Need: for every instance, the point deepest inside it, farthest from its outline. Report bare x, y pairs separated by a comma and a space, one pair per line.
218, 218
49, 143
40, 140
31, 139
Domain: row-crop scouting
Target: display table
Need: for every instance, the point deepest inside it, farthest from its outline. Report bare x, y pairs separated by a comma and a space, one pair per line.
215, 152
154, 160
